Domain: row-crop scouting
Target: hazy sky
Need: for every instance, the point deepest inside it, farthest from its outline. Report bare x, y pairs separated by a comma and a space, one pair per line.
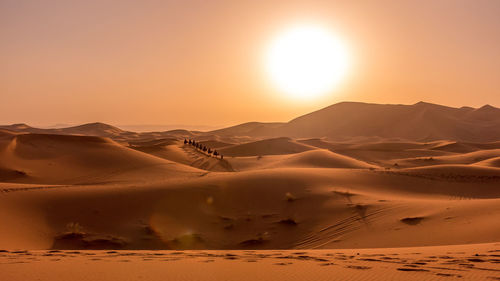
201, 62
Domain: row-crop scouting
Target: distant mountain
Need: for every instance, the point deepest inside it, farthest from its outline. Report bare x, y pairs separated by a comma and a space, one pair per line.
419, 122
97, 129
342, 121
249, 129
90, 129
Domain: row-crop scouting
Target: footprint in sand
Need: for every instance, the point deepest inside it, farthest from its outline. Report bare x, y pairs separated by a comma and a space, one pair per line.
361, 267
283, 263
412, 220
449, 275
412, 269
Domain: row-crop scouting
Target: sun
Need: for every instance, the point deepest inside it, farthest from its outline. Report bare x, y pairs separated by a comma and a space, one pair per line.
306, 61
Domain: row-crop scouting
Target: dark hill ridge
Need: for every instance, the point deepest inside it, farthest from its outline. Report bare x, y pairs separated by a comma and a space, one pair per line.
91, 129
342, 121
249, 129
419, 122
96, 129
100, 130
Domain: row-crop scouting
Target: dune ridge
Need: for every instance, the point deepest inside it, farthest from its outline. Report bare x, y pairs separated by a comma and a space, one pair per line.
46, 158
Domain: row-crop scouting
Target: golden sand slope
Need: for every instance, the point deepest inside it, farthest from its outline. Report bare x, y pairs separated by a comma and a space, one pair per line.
261, 209
316, 158
462, 158
492, 162
266, 147
175, 150
82, 192
86, 193
44, 158
457, 262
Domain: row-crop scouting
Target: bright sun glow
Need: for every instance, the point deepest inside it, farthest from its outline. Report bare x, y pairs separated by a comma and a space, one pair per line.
306, 61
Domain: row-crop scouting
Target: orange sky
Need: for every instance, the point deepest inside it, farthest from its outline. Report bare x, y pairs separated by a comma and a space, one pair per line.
200, 62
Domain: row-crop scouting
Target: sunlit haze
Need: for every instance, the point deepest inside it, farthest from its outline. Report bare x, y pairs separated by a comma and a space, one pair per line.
213, 63
307, 61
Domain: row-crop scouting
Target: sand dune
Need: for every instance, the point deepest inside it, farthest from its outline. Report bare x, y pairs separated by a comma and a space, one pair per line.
303, 208
90, 129
464, 147
6, 133
465, 173
465, 158
274, 146
383, 153
44, 158
318, 158
215, 143
492, 162
95, 187
175, 150
451, 262
322, 159
248, 129
100, 130
154, 142
163, 194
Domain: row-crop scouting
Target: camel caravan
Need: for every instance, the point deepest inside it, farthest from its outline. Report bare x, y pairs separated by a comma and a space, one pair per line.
203, 148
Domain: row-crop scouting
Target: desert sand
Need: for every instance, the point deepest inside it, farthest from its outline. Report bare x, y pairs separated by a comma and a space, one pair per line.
463, 262
95, 202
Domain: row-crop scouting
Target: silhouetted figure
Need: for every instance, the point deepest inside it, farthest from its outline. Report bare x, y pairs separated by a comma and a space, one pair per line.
185, 141
216, 153
209, 151
221, 157
204, 148
190, 142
